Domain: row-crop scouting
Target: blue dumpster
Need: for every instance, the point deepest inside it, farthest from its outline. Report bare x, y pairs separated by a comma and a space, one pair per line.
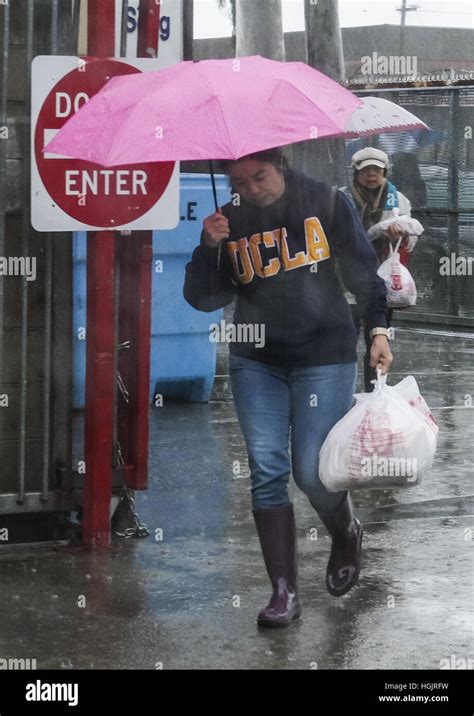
183, 359
79, 318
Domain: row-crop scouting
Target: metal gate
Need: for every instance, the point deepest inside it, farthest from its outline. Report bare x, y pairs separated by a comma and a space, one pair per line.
42, 443
44, 447
35, 304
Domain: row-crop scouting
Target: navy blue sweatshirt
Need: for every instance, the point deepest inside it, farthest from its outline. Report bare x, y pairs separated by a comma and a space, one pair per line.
280, 261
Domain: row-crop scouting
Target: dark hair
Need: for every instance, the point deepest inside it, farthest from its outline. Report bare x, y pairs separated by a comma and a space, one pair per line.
273, 156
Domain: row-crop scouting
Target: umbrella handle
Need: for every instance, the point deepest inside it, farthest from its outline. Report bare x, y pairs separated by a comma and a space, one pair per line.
213, 180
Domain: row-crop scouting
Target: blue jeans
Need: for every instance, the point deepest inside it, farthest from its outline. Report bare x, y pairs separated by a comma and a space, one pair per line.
271, 399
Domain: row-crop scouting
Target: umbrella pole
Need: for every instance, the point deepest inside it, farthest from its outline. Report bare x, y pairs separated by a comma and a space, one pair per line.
214, 193
213, 180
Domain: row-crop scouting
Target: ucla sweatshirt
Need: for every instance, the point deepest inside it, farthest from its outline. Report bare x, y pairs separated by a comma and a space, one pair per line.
282, 263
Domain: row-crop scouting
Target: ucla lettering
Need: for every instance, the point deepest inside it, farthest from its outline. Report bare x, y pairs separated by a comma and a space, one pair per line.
289, 263
271, 238
240, 258
247, 257
317, 247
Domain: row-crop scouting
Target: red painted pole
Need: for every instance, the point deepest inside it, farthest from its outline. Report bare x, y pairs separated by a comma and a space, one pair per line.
136, 253
101, 335
100, 388
148, 28
134, 364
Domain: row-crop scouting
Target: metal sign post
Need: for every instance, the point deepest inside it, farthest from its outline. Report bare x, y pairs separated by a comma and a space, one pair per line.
136, 253
130, 254
70, 194
101, 335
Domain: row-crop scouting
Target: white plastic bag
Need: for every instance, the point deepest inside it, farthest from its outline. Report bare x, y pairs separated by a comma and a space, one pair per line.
388, 439
411, 226
409, 391
401, 288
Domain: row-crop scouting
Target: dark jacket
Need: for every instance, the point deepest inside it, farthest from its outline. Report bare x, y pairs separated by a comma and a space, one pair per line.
280, 261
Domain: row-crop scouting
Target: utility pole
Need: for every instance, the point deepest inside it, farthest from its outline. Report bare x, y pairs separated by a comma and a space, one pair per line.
403, 11
323, 159
324, 38
259, 29
188, 27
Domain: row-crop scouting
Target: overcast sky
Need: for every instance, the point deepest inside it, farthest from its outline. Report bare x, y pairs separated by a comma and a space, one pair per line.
209, 21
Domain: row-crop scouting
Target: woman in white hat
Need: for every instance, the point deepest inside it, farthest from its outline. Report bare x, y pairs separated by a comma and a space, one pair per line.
376, 199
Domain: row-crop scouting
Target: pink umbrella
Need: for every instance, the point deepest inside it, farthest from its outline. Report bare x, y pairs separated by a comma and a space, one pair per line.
214, 109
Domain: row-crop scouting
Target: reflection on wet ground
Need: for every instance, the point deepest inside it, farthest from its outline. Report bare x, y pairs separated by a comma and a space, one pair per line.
189, 599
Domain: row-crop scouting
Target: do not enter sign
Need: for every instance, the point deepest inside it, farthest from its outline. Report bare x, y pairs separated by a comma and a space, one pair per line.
72, 194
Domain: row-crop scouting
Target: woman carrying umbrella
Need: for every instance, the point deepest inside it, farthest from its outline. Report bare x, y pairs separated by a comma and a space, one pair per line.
275, 245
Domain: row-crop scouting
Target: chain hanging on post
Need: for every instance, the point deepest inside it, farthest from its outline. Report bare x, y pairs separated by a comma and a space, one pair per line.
120, 462
123, 390
127, 507
126, 512
120, 384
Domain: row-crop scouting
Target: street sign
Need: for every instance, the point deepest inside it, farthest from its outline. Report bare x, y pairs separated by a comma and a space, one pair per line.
71, 194
170, 28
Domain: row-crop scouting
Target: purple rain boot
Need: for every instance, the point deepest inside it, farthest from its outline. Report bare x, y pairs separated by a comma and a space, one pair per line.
277, 532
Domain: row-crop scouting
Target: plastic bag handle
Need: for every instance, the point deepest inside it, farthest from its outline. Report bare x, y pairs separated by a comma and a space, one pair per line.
380, 380
397, 246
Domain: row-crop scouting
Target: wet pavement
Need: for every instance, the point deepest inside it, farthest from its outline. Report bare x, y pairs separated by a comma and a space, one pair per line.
187, 596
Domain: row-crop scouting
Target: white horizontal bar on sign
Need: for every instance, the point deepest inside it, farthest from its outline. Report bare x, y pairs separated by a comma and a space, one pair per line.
48, 136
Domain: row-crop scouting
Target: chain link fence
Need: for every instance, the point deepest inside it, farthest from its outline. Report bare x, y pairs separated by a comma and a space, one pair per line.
435, 170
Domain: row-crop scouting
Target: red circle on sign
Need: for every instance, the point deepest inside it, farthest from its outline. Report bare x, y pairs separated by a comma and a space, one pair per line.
97, 196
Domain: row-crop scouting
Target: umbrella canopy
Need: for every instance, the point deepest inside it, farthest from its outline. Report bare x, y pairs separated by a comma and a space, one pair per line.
377, 115
214, 109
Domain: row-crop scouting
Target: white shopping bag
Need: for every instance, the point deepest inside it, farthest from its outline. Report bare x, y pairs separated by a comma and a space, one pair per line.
388, 439
408, 389
411, 227
401, 288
